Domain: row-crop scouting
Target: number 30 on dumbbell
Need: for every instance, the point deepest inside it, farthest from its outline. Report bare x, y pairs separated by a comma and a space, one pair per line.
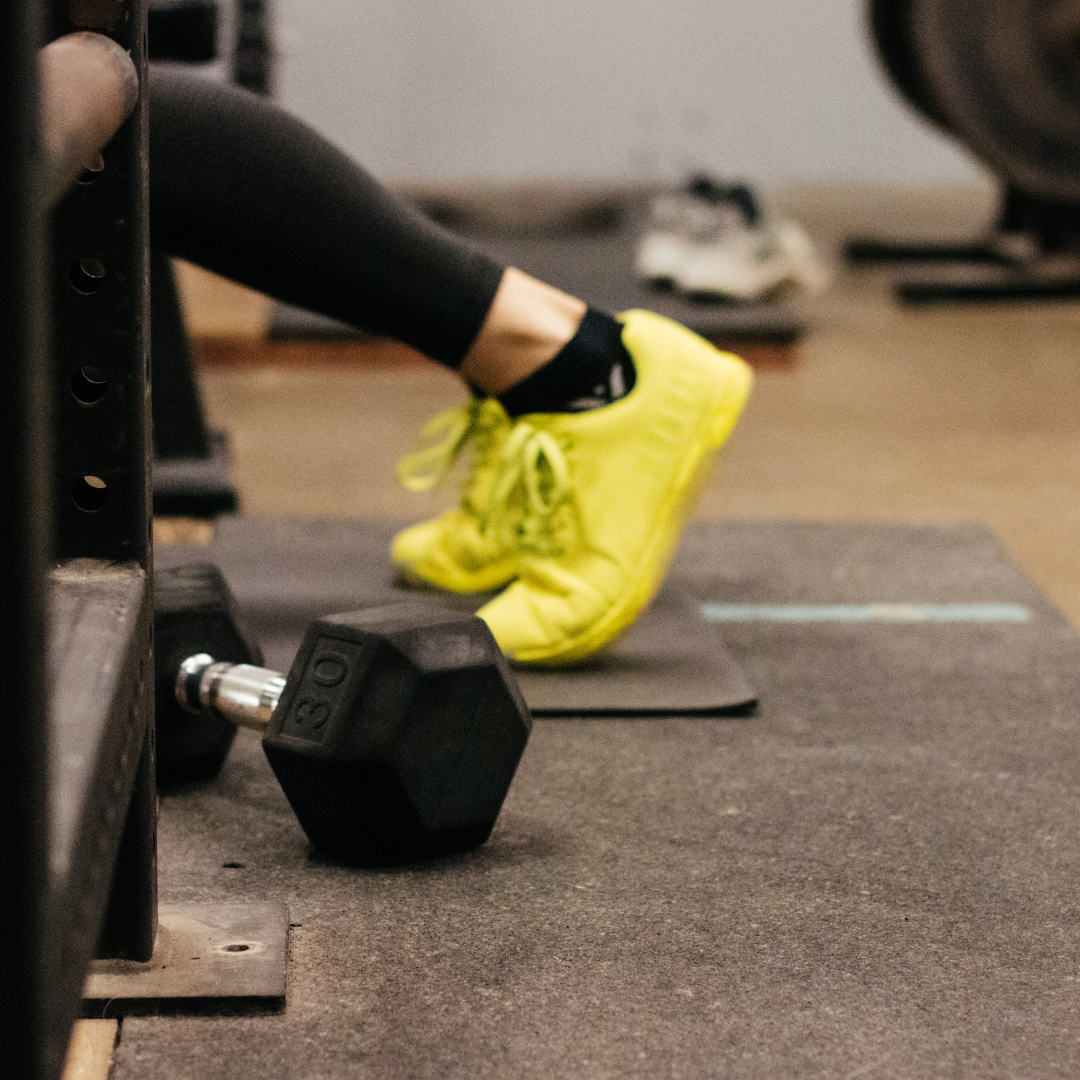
394, 736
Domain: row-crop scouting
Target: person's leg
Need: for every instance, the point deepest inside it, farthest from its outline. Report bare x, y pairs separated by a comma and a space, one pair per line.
241, 187
526, 326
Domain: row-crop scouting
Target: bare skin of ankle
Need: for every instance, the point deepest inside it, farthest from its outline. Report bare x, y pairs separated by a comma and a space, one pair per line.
528, 324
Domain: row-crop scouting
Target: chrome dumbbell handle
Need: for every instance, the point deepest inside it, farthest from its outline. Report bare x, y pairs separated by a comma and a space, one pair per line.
245, 694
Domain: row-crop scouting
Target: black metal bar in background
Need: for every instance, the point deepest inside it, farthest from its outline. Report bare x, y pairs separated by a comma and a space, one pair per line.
253, 56
179, 422
25, 1047
192, 469
192, 466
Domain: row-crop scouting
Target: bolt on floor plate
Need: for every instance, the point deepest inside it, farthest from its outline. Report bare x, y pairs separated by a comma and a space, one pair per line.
210, 959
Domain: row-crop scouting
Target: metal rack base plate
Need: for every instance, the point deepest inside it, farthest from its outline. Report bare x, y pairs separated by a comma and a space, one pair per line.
210, 959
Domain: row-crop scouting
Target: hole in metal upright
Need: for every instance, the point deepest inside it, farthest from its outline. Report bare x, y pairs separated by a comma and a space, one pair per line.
91, 172
88, 385
90, 493
87, 275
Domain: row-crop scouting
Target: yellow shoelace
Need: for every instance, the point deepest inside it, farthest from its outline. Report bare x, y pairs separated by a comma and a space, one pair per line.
532, 476
429, 466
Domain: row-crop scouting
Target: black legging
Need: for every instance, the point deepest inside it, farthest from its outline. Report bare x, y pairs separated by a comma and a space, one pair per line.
248, 191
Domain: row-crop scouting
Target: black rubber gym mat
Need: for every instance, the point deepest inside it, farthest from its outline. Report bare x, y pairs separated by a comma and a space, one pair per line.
287, 571
875, 878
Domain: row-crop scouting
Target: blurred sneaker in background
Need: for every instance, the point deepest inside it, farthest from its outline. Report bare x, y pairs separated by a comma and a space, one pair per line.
712, 241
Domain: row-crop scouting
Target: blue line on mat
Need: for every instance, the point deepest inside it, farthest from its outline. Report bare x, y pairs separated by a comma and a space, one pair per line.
860, 613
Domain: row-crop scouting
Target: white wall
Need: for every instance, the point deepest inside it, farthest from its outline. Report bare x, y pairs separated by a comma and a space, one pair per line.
444, 91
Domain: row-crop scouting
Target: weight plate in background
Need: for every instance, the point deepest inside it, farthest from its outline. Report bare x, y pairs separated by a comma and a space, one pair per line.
890, 26
1006, 75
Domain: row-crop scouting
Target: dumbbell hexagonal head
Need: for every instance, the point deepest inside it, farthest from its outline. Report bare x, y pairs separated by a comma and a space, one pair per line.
398, 734
194, 612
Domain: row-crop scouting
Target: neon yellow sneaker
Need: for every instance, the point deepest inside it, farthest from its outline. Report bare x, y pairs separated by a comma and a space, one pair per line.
597, 499
457, 551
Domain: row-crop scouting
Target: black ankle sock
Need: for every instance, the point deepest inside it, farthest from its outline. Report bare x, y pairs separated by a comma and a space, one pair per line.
592, 369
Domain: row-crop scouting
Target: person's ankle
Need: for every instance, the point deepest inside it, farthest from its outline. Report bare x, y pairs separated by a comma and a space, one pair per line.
593, 369
528, 325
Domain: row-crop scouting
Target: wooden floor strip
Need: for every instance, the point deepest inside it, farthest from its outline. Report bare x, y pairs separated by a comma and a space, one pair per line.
90, 1050
239, 353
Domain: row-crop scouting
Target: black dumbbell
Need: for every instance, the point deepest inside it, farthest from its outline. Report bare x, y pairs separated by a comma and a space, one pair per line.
395, 735
193, 611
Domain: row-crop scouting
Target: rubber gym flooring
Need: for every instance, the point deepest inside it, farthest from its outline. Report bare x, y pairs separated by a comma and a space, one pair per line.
874, 875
